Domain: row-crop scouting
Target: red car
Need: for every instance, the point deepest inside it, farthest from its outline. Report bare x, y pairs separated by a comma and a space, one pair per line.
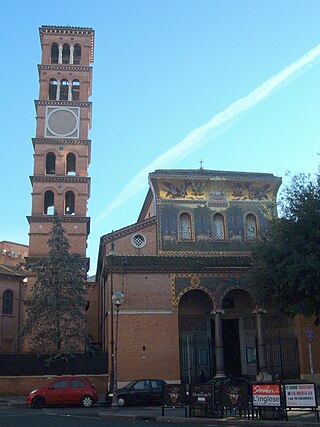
64, 390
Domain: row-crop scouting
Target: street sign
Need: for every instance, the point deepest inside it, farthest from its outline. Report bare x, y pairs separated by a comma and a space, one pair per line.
309, 333
310, 337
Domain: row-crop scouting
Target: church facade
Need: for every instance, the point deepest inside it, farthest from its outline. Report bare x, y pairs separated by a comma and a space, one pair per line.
182, 268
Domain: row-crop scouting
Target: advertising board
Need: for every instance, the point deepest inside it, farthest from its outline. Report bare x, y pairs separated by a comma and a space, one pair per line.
264, 394
202, 400
202, 395
174, 395
235, 395
300, 395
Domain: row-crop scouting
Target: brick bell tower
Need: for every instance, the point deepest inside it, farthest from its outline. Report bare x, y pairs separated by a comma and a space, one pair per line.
60, 179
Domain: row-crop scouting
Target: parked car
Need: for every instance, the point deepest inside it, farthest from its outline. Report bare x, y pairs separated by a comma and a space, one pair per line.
140, 392
64, 390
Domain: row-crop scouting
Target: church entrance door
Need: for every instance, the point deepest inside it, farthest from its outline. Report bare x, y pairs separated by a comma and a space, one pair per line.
231, 342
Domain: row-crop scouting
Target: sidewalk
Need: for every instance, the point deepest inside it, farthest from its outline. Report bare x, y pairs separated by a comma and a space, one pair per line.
175, 415
12, 401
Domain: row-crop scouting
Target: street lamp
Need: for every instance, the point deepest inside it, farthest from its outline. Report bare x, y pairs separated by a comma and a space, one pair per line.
111, 254
117, 301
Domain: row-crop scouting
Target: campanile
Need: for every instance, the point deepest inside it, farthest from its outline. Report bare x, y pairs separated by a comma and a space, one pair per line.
60, 180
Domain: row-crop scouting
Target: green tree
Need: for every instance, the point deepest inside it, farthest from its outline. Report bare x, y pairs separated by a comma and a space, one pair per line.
55, 323
286, 262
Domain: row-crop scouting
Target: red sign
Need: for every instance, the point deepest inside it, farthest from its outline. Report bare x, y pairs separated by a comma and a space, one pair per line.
266, 394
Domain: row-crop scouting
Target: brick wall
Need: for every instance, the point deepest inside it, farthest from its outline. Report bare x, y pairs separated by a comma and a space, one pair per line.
124, 246
148, 345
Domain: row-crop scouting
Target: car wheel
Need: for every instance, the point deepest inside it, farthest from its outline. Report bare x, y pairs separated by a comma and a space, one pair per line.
121, 401
38, 402
87, 401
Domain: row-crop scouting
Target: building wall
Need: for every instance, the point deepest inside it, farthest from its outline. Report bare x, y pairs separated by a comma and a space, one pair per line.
123, 242
93, 311
82, 152
39, 236
12, 254
9, 323
148, 327
306, 351
148, 344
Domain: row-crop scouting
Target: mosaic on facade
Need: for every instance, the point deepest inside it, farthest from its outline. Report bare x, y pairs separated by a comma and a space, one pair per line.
210, 230
213, 214
216, 192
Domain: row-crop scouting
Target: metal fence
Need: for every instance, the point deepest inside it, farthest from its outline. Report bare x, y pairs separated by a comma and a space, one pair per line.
25, 364
195, 355
282, 356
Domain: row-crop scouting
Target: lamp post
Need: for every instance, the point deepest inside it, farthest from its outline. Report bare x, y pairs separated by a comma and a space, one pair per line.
117, 301
111, 254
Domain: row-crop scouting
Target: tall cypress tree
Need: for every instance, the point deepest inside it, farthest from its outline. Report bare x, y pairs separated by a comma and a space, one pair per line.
55, 323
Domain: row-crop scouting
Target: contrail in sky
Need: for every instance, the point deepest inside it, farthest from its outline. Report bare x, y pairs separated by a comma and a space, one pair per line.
206, 132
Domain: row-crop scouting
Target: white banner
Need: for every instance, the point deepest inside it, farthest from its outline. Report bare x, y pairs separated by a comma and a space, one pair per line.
300, 395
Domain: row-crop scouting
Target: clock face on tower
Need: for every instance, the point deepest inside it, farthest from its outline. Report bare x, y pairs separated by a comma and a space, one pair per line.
62, 122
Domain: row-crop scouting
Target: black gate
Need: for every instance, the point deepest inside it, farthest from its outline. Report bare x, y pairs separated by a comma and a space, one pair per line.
282, 356
195, 355
195, 347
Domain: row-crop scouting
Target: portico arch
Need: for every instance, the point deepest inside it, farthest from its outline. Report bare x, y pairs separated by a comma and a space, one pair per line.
196, 352
192, 290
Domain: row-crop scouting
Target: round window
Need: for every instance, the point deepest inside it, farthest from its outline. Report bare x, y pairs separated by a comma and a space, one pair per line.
138, 240
62, 122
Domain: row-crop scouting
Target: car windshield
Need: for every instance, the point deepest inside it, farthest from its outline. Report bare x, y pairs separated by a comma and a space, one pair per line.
130, 384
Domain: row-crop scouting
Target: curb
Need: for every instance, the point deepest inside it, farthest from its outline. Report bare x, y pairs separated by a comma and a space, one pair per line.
226, 422
12, 404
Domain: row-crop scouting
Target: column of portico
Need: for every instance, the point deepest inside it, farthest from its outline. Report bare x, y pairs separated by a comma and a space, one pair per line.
219, 343
263, 374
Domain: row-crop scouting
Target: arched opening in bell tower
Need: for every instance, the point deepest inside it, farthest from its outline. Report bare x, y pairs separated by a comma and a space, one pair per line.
48, 203
54, 53
50, 164
53, 89
69, 205
75, 91
71, 164
77, 54
64, 90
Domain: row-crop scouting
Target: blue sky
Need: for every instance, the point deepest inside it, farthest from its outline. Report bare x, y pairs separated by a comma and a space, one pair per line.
162, 69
